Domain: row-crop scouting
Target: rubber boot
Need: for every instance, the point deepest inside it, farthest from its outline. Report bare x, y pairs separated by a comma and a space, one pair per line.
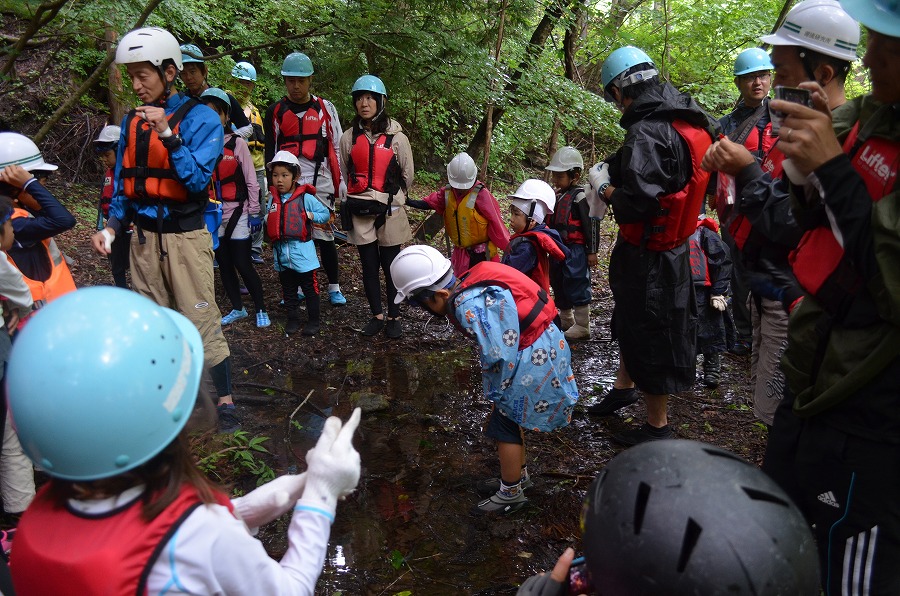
293, 323
712, 369
582, 328
567, 318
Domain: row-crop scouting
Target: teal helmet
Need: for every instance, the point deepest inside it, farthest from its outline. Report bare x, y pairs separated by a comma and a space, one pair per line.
368, 83
188, 53
619, 62
214, 93
100, 381
882, 16
752, 60
297, 64
244, 71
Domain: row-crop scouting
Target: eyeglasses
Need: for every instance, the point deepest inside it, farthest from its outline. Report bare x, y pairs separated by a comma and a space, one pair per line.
762, 76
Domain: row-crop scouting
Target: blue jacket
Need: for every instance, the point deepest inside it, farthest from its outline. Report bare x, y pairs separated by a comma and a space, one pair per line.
203, 141
294, 254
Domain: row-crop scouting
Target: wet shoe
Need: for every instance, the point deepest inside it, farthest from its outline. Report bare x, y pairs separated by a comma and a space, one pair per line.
642, 434
292, 327
336, 298
614, 400
311, 328
228, 418
256, 259
374, 326
712, 370
262, 319
393, 329
489, 486
740, 348
234, 315
502, 505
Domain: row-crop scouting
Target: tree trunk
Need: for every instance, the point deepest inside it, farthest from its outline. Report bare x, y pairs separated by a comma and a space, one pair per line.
535, 46
489, 118
780, 20
114, 89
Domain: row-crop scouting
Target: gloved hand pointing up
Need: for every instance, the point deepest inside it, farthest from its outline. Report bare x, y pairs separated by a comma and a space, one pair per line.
334, 465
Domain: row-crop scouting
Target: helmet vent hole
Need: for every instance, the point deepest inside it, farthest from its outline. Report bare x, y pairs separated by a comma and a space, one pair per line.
640, 506
725, 454
159, 387
691, 536
760, 495
153, 362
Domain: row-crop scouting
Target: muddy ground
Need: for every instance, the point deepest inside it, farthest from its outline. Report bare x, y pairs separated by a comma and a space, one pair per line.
409, 528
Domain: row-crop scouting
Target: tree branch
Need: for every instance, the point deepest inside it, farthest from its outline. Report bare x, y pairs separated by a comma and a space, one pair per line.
39, 19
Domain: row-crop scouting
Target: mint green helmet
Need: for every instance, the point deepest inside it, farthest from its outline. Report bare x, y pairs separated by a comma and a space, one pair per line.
752, 60
191, 54
297, 64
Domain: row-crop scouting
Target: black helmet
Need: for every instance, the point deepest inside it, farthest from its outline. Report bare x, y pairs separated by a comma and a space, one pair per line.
682, 517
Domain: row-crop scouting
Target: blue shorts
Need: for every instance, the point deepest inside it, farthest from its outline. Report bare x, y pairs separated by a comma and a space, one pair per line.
501, 428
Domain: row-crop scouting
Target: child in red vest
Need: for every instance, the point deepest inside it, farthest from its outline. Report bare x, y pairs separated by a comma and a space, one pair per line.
472, 217
534, 243
289, 227
105, 146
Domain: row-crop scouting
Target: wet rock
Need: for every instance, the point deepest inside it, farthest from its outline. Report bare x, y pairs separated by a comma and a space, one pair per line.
369, 402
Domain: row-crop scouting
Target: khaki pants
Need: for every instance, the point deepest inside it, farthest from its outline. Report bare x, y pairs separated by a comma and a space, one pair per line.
182, 281
16, 473
769, 342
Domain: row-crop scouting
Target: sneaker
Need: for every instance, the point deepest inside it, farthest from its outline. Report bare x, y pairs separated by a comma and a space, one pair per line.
311, 328
256, 259
300, 295
615, 399
741, 347
228, 418
6, 540
712, 369
234, 315
244, 291
501, 504
292, 327
262, 319
393, 329
642, 434
337, 298
489, 486
372, 327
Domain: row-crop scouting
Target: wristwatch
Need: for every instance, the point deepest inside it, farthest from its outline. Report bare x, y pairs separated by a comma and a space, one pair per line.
602, 192
172, 142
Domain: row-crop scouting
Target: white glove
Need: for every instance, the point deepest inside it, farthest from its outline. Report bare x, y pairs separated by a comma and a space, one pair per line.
793, 173
599, 175
342, 190
718, 303
245, 132
270, 501
334, 465
107, 239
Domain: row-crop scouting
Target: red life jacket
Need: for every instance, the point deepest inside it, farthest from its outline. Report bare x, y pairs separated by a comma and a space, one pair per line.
740, 228
563, 219
61, 552
308, 136
228, 179
545, 247
289, 220
147, 173
106, 192
373, 165
819, 262
534, 307
699, 262
678, 211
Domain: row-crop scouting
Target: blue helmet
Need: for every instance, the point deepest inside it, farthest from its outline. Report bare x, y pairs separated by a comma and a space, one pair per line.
244, 71
101, 380
216, 93
752, 60
191, 54
619, 62
369, 83
297, 64
882, 16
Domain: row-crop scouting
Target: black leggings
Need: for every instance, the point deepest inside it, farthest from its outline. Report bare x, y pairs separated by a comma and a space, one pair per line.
372, 256
328, 254
233, 257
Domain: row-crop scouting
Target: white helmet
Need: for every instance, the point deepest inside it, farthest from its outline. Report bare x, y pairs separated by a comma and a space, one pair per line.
461, 172
149, 44
419, 267
109, 134
19, 150
565, 159
820, 25
535, 198
284, 157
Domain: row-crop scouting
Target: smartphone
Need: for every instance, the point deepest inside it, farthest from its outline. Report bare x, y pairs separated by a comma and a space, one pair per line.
792, 94
579, 578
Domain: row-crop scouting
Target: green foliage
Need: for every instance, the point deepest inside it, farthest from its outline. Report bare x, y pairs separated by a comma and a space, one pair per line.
228, 457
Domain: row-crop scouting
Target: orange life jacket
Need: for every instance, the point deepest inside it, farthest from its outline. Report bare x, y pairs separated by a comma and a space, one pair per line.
228, 179
288, 220
61, 552
677, 216
464, 225
60, 281
819, 262
534, 307
563, 219
308, 136
147, 173
373, 165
